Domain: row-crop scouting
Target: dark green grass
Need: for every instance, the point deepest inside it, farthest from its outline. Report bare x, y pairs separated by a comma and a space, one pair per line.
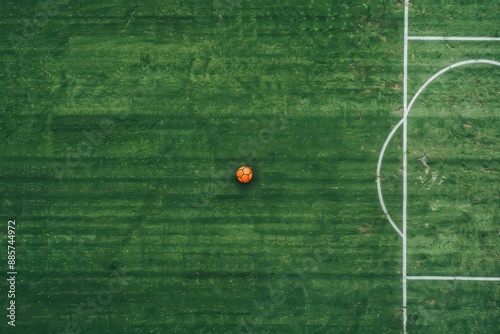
453, 18
453, 307
122, 127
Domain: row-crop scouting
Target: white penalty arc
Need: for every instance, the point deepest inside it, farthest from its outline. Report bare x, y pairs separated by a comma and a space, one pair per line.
396, 127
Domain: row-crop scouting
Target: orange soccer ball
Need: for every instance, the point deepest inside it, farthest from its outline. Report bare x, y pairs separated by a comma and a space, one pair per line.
244, 174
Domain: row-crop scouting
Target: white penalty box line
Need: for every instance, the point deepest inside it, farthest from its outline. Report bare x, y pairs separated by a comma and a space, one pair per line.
453, 38
451, 278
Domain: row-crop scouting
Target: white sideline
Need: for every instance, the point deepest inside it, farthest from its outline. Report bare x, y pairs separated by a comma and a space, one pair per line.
405, 148
451, 278
451, 38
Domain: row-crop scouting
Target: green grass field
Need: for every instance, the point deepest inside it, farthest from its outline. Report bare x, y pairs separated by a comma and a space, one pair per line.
122, 126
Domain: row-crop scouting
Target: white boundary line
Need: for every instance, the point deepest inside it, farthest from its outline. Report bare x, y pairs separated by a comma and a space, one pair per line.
451, 38
451, 278
405, 148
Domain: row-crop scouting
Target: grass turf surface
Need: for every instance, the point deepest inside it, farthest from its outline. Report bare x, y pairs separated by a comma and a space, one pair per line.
123, 125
